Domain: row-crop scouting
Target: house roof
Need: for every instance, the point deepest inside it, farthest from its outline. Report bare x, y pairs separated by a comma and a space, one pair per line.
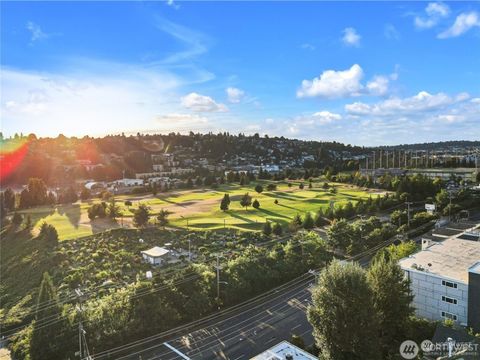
281, 350
156, 251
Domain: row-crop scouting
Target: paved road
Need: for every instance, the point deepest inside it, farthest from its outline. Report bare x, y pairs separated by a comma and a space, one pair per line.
244, 334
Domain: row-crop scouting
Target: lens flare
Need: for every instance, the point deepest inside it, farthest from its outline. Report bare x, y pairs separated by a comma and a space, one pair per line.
12, 153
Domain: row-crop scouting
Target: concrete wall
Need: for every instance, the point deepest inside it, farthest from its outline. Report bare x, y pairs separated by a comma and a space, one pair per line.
428, 291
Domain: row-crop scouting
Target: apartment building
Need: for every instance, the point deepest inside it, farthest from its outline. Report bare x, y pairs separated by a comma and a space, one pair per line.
445, 280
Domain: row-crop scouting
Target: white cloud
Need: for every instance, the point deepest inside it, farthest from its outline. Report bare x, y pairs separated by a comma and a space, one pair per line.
173, 4
202, 103
177, 118
435, 11
345, 83
86, 101
196, 43
379, 85
421, 102
326, 117
334, 84
36, 32
351, 37
462, 24
235, 95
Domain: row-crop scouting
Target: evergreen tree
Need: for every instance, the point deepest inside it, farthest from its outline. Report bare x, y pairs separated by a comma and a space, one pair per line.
246, 201
113, 210
392, 302
342, 314
267, 228
259, 188
17, 219
9, 199
28, 222
85, 194
48, 342
225, 203
277, 229
256, 204
141, 215
163, 217
308, 222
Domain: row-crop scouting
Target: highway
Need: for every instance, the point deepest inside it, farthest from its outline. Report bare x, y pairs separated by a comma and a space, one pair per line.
239, 334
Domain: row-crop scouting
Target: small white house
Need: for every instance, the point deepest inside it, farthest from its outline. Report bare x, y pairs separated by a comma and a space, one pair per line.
156, 255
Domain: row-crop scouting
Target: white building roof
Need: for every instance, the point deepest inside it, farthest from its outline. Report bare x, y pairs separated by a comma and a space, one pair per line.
281, 350
156, 251
450, 258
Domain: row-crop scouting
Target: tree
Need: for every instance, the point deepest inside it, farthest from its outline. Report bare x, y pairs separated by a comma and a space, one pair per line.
256, 204
271, 187
301, 186
478, 177
127, 203
162, 217
267, 228
246, 201
48, 342
141, 215
295, 224
113, 210
392, 302
308, 222
277, 229
49, 233
97, 210
225, 203
340, 234
17, 219
28, 222
342, 314
259, 188
320, 219
297, 341
154, 189
9, 199
85, 194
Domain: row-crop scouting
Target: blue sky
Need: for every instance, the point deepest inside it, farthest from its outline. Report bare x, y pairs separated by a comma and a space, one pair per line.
364, 73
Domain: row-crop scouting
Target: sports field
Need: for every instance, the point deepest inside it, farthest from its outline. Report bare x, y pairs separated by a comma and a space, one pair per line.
201, 207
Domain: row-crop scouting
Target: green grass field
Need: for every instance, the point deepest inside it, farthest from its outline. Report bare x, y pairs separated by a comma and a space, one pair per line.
201, 207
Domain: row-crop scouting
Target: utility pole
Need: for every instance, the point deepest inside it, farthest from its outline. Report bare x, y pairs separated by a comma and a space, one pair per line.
189, 249
83, 351
218, 268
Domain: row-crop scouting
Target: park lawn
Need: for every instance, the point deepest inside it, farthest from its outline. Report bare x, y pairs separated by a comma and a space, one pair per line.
202, 208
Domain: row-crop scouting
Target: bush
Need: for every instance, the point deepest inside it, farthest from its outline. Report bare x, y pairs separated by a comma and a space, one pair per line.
277, 229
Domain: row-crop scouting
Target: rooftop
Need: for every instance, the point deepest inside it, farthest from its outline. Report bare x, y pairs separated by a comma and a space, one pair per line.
284, 351
156, 251
450, 258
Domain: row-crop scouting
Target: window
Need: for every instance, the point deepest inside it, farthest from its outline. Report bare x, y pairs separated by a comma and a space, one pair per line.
447, 315
449, 300
449, 284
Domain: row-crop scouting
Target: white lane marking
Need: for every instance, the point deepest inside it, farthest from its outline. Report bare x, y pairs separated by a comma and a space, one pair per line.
176, 351
296, 327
